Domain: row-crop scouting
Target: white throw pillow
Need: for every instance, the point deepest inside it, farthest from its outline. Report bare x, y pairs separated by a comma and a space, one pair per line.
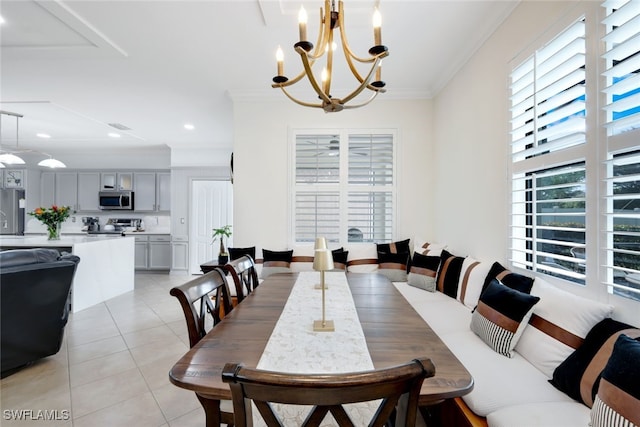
565, 310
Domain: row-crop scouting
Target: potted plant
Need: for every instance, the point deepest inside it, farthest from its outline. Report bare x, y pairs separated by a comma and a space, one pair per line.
221, 233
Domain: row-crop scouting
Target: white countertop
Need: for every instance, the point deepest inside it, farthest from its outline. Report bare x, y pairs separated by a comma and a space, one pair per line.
42, 241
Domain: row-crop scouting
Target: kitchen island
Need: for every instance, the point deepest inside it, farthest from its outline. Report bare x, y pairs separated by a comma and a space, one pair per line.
106, 267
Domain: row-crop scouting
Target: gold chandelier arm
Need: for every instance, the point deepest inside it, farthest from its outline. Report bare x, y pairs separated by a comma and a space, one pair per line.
373, 96
348, 53
304, 104
364, 84
312, 78
323, 34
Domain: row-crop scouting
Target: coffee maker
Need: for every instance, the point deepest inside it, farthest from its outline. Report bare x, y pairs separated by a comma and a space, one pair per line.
90, 223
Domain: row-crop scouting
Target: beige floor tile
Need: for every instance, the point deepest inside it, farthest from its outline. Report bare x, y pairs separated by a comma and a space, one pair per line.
195, 418
174, 401
96, 349
152, 352
147, 336
139, 411
156, 373
108, 391
99, 368
36, 387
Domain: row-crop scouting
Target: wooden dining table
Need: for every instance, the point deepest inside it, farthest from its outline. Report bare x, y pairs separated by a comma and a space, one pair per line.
394, 333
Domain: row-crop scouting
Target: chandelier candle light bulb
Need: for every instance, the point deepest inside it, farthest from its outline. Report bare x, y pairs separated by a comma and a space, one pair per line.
302, 24
377, 27
280, 61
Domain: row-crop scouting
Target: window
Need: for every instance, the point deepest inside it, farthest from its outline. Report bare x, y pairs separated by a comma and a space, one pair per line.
558, 186
622, 165
344, 187
548, 128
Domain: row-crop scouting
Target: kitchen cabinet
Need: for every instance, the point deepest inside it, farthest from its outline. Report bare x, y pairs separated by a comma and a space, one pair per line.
159, 252
88, 188
116, 181
179, 253
144, 191
59, 188
163, 191
152, 191
47, 189
153, 252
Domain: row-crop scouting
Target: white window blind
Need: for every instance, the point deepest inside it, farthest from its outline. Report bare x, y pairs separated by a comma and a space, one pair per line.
623, 224
548, 97
622, 41
317, 214
548, 222
317, 159
344, 187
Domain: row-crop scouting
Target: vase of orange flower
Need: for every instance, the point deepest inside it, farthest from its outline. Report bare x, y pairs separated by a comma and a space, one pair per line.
52, 217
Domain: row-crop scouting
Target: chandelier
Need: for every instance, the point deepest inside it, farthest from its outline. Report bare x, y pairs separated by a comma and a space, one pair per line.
9, 157
330, 19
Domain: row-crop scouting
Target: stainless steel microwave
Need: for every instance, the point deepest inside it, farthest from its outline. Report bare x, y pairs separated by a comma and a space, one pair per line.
116, 200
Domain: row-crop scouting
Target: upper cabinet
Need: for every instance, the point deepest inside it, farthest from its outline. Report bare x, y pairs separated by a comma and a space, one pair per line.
88, 188
79, 189
152, 191
116, 181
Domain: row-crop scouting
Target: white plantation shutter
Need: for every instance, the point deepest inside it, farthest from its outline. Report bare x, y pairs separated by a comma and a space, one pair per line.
622, 56
317, 214
548, 222
371, 159
548, 97
548, 204
623, 224
344, 187
317, 159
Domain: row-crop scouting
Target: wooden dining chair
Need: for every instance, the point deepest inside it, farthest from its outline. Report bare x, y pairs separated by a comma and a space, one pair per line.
244, 274
326, 393
203, 299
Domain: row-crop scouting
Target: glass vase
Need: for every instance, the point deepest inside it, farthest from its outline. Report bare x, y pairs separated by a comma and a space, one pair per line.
53, 231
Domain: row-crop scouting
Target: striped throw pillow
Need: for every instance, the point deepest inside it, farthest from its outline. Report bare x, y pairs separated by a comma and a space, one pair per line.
501, 316
618, 400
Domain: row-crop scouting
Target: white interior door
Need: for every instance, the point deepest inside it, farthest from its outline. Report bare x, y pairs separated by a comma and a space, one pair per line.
212, 207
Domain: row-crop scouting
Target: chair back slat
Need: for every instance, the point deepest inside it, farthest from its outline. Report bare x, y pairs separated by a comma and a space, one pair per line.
327, 393
202, 298
244, 274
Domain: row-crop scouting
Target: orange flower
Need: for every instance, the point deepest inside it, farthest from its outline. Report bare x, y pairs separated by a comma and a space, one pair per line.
38, 211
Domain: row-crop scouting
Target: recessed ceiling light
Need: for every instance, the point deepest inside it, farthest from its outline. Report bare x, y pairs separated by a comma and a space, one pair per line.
189, 126
43, 135
114, 135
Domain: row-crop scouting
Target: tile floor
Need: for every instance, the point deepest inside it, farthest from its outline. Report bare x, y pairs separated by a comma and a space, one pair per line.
112, 369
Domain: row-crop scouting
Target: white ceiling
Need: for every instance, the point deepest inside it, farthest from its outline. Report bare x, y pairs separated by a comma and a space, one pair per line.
73, 67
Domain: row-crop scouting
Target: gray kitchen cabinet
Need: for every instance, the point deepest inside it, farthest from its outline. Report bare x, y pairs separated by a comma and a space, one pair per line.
144, 191
66, 194
163, 191
159, 253
47, 189
153, 252
88, 188
116, 181
141, 252
179, 253
152, 191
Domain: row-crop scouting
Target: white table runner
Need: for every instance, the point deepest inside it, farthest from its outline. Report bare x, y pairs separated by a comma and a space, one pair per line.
294, 347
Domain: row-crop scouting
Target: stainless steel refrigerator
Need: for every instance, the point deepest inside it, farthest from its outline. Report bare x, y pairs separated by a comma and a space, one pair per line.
12, 211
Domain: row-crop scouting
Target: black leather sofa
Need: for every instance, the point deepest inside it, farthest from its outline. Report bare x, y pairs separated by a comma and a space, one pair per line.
35, 289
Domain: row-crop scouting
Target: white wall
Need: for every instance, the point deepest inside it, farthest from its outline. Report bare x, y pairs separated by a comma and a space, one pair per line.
261, 151
472, 140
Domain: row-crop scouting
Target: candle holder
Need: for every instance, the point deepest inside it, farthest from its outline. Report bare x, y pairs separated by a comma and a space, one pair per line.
323, 261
